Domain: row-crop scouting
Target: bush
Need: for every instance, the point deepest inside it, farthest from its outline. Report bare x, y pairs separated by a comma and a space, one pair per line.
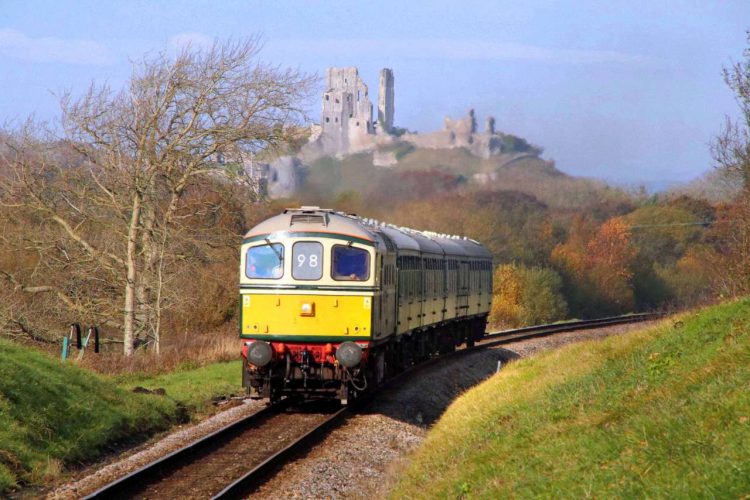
690, 280
526, 296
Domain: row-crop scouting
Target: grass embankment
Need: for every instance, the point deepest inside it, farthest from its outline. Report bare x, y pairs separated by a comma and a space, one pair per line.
193, 388
658, 413
54, 414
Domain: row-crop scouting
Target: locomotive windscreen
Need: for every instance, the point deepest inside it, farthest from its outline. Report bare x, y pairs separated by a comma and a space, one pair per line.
265, 261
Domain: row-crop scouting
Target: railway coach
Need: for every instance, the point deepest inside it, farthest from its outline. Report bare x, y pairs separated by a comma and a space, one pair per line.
332, 304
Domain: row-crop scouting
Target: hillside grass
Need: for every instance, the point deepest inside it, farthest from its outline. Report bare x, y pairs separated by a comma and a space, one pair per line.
663, 412
53, 414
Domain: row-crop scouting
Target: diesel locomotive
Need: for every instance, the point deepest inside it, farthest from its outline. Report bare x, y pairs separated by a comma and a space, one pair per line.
332, 304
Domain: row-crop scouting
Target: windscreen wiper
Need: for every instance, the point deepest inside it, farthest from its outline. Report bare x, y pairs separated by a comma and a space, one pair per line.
278, 254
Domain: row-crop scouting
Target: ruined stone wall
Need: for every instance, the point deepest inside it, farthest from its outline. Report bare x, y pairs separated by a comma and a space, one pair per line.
462, 133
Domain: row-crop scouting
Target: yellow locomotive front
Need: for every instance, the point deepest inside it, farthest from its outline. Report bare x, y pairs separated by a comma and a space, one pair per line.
308, 282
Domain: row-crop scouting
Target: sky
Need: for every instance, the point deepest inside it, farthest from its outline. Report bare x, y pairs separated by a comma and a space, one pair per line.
627, 91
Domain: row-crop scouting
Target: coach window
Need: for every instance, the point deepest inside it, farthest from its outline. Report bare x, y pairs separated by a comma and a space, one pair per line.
350, 264
307, 260
265, 261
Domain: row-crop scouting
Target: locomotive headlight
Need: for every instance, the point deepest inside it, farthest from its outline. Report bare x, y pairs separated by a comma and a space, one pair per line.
259, 353
307, 309
349, 354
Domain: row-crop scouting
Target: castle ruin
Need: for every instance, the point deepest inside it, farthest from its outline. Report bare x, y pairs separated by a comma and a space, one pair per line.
347, 126
346, 120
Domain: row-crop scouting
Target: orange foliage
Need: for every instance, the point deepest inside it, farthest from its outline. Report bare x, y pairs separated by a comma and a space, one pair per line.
598, 265
732, 268
611, 248
506, 300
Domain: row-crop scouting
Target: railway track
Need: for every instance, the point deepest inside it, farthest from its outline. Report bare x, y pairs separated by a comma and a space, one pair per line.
235, 460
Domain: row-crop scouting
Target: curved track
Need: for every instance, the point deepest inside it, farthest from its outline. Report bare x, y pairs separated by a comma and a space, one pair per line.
236, 459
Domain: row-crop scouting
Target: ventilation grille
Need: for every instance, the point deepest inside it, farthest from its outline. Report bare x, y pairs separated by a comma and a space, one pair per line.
307, 219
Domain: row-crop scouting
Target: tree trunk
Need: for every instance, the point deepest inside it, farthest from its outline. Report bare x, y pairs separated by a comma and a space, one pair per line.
128, 322
154, 258
144, 315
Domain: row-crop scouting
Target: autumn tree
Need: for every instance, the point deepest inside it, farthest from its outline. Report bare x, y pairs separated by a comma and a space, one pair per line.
597, 267
507, 294
110, 186
525, 296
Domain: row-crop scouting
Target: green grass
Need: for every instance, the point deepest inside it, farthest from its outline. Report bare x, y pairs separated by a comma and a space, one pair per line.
664, 412
193, 388
53, 415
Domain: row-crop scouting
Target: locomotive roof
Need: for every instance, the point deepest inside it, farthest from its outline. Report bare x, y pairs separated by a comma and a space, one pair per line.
315, 219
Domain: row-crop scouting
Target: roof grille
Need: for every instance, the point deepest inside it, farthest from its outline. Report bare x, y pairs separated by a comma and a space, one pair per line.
307, 219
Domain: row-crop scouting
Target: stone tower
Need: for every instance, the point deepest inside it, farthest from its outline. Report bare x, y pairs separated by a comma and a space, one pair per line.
385, 101
489, 126
346, 120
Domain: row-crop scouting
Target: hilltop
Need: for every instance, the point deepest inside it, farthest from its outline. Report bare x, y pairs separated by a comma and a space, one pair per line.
425, 172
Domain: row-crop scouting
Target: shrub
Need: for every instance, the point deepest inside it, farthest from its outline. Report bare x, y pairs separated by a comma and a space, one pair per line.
526, 296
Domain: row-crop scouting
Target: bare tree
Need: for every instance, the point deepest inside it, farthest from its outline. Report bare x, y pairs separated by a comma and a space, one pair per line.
731, 151
115, 184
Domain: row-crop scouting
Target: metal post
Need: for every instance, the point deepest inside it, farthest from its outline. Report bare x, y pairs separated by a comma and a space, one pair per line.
85, 344
64, 354
96, 339
75, 331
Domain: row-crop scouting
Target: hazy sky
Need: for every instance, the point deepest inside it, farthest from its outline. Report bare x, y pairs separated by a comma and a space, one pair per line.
629, 91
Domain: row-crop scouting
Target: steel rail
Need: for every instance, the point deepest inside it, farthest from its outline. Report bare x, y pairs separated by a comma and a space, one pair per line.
257, 476
124, 486
549, 329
